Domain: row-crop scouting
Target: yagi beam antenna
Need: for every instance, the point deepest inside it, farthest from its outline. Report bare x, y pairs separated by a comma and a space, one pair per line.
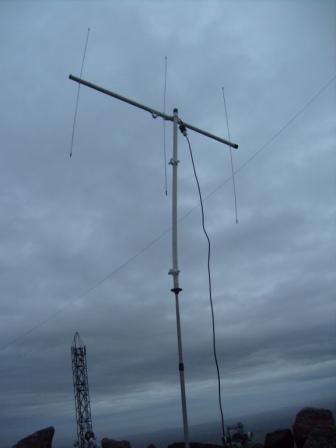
174, 272
155, 113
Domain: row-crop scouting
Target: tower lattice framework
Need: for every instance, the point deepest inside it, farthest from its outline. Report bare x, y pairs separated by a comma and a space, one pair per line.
81, 390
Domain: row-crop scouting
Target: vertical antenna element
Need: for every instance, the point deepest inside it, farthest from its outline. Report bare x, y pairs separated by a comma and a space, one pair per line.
81, 392
231, 158
77, 99
164, 126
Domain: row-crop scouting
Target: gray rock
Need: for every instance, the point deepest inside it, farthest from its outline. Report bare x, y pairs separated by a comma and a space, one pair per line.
321, 438
194, 445
110, 443
282, 438
309, 419
39, 439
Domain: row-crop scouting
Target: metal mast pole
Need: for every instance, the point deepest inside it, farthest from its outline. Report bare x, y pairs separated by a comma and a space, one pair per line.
175, 273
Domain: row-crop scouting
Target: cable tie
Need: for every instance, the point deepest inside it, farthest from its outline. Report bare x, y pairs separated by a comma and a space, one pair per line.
183, 129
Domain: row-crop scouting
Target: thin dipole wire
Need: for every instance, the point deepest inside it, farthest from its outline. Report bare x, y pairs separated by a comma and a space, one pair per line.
77, 98
175, 273
164, 127
231, 159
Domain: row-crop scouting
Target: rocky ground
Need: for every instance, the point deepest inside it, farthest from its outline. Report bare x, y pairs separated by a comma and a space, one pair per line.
312, 428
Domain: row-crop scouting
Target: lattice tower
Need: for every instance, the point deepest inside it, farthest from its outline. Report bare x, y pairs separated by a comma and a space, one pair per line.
81, 390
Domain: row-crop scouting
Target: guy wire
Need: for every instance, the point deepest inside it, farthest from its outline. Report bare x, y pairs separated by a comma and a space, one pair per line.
78, 90
231, 158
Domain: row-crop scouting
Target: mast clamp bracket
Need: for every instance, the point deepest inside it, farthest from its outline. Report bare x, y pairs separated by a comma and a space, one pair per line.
173, 162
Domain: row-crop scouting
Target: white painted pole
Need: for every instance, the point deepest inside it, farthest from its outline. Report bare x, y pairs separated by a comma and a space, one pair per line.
175, 273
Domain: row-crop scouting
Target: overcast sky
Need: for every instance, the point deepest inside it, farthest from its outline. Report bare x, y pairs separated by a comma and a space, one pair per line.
85, 242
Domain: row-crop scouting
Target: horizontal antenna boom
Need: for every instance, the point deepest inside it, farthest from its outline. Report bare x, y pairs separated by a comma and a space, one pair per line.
154, 112
121, 98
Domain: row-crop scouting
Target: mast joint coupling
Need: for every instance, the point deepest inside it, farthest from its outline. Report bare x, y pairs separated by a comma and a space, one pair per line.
181, 367
173, 272
176, 290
